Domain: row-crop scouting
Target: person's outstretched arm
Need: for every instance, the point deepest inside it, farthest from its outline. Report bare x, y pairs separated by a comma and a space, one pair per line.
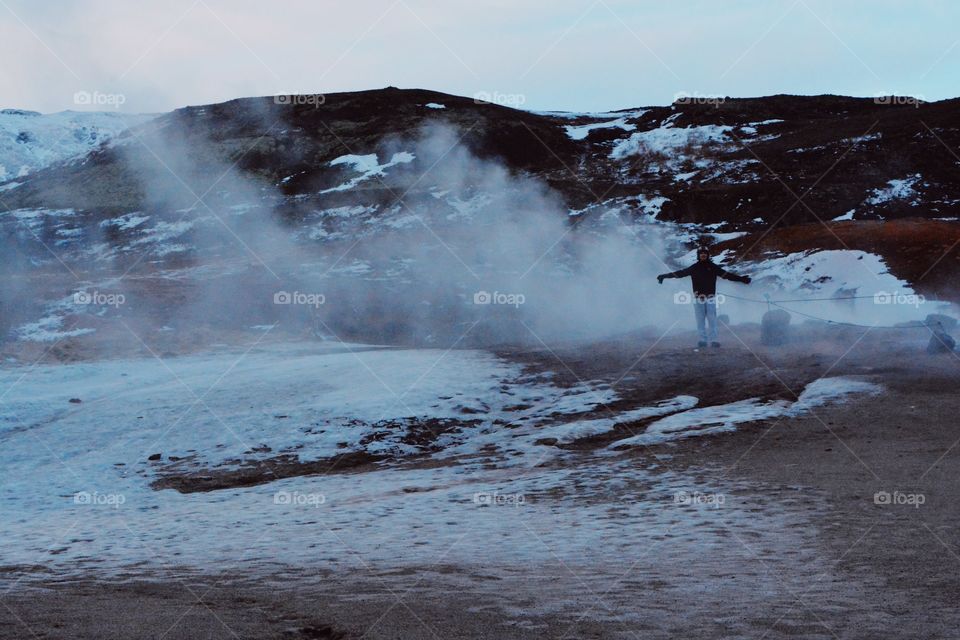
682, 273
726, 275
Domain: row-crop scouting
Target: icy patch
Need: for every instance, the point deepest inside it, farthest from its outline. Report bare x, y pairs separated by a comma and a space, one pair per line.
705, 421
725, 418
33, 141
751, 129
126, 221
345, 212
580, 132
48, 329
723, 237
34, 218
435, 105
163, 231
831, 272
847, 216
668, 140
355, 268
572, 115
368, 166
402, 222
572, 431
826, 390
896, 190
731, 171
651, 205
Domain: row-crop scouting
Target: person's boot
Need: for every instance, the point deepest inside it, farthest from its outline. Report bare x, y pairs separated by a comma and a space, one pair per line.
715, 345
701, 344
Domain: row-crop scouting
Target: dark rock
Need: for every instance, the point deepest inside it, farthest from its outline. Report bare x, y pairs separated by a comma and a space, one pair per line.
155, 456
321, 633
774, 327
75, 400
941, 342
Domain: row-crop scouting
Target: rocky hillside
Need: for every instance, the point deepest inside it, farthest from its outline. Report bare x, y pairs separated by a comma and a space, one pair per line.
340, 177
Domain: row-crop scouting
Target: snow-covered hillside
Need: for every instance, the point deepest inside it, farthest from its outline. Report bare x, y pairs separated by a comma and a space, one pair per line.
31, 141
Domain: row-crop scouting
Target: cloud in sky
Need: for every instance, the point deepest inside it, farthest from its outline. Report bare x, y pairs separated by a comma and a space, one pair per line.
558, 54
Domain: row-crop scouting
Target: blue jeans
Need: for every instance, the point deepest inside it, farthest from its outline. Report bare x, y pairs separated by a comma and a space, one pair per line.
705, 308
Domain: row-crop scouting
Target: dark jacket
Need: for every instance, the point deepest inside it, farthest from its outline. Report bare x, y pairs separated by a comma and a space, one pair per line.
704, 276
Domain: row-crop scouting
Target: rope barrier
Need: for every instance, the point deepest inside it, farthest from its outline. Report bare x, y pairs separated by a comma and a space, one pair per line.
766, 299
776, 303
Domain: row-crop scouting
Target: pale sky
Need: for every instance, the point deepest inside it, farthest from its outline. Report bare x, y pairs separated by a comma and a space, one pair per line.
156, 55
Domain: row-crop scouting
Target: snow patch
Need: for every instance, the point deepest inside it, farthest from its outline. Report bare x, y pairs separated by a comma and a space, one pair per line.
724, 418
32, 141
895, 190
368, 166
126, 222
580, 132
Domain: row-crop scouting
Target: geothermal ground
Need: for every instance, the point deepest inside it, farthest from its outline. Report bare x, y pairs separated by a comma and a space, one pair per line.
632, 487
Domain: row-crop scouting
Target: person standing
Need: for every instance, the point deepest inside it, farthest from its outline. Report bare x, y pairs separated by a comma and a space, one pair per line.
703, 274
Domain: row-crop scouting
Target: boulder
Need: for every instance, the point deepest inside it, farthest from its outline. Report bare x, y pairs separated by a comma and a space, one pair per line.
941, 342
774, 327
941, 321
